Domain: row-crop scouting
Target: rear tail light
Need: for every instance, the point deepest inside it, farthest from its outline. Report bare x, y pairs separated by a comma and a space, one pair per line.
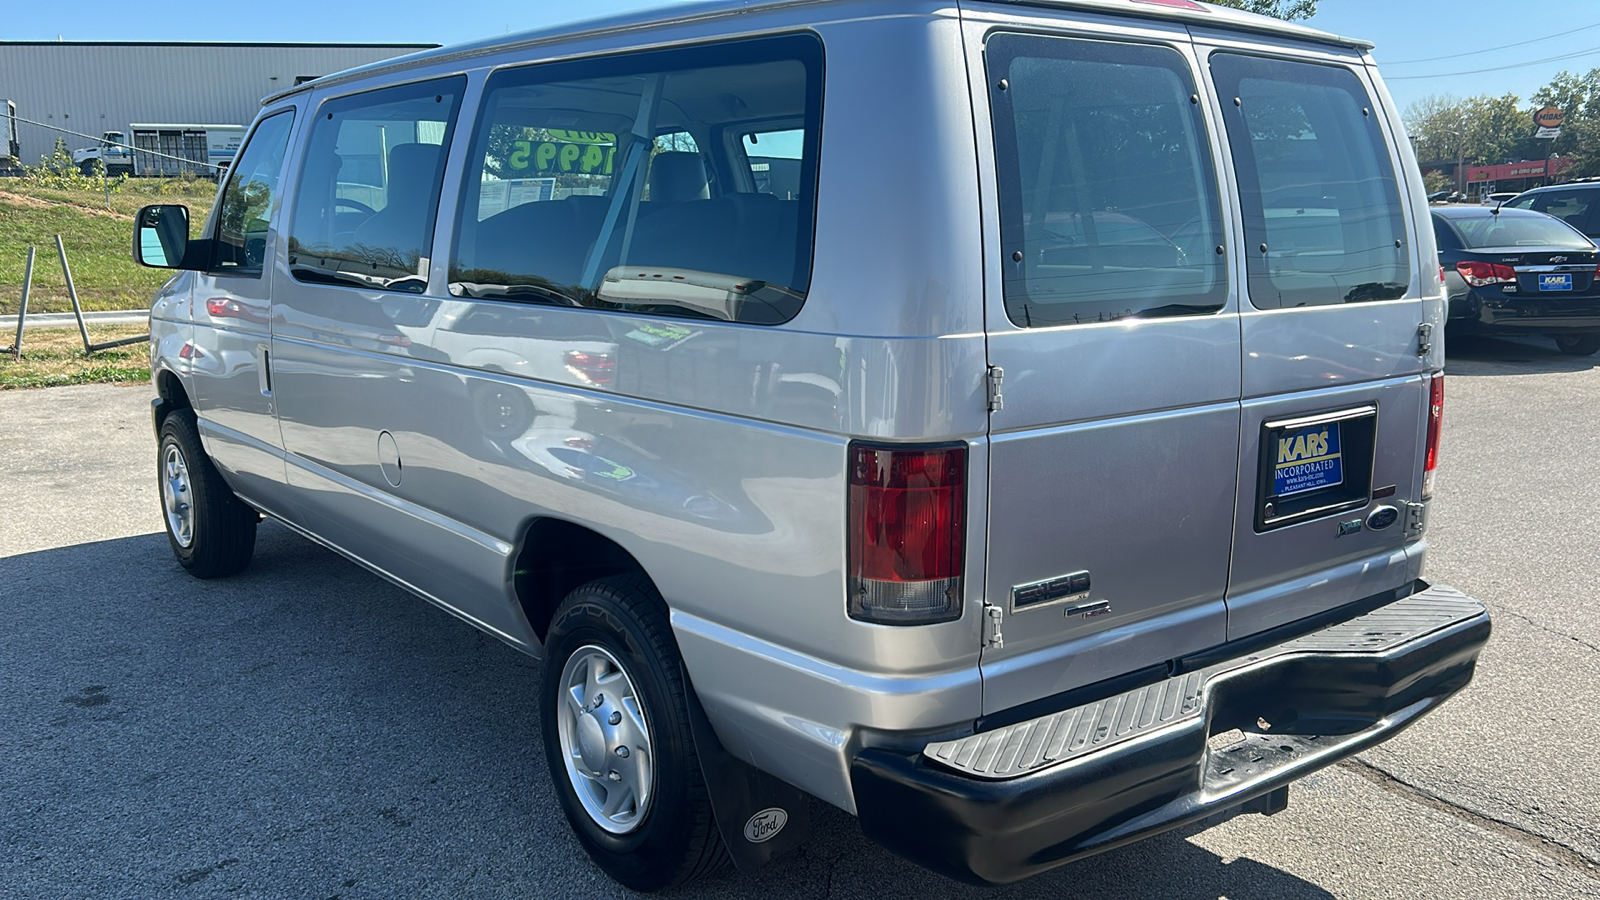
1435, 422
595, 368
907, 533
1478, 273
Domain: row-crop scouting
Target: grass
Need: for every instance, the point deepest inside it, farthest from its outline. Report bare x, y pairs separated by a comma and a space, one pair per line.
98, 241
54, 356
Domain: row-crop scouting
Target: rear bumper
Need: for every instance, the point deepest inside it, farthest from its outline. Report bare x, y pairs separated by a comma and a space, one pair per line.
1014, 801
1486, 310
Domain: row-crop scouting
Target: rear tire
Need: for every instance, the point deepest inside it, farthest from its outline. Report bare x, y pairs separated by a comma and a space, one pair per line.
1578, 344
212, 531
613, 682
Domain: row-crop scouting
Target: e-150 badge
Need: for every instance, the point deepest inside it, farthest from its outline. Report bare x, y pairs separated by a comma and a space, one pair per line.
1308, 459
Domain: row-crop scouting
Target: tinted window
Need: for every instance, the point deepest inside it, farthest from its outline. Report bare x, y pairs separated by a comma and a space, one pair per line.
1524, 202
1322, 215
1108, 202
774, 161
1445, 236
1571, 207
1518, 231
242, 220
369, 187
611, 183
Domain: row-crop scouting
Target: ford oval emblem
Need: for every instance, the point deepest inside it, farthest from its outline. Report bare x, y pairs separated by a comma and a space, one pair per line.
765, 825
1382, 517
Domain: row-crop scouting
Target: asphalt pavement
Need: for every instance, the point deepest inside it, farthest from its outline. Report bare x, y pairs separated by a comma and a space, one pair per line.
307, 730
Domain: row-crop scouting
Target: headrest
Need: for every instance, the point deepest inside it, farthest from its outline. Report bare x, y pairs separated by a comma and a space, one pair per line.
678, 175
411, 169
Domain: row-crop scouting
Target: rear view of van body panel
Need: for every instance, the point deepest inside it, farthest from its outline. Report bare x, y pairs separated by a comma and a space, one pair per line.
1148, 440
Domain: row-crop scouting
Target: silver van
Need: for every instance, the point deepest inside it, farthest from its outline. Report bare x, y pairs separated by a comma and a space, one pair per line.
1011, 423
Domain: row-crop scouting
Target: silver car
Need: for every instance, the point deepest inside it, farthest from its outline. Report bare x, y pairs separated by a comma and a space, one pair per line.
1011, 423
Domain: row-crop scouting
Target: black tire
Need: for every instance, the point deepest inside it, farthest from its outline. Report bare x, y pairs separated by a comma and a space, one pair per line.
221, 528
675, 839
1578, 344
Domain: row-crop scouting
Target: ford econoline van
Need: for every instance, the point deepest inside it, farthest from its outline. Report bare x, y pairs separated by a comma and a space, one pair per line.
1011, 423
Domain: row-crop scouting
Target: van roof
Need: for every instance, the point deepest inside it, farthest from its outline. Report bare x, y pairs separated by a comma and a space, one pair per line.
672, 13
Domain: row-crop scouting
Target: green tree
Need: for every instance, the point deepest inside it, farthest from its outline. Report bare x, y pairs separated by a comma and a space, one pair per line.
1291, 10
1579, 97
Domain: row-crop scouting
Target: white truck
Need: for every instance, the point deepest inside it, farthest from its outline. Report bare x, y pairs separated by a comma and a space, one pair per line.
10, 150
169, 150
114, 155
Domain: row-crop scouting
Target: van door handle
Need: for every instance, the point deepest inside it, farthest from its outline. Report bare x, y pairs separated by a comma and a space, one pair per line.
265, 370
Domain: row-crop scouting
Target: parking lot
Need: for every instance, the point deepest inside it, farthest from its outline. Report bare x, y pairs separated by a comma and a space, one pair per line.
308, 730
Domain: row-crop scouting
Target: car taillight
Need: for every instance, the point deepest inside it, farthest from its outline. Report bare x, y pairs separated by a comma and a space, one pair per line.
595, 368
1479, 273
1435, 423
907, 533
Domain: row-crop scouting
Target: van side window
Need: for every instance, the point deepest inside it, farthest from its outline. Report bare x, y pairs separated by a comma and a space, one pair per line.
1322, 216
369, 187
1108, 197
612, 183
774, 160
243, 216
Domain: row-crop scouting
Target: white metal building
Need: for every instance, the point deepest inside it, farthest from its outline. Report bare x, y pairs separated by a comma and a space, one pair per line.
97, 86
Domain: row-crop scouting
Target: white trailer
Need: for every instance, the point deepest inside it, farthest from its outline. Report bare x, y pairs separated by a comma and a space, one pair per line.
169, 150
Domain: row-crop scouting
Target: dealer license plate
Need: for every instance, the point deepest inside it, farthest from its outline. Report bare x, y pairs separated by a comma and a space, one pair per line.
1562, 282
1308, 459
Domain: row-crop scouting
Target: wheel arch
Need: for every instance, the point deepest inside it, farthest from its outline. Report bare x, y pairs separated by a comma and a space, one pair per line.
554, 557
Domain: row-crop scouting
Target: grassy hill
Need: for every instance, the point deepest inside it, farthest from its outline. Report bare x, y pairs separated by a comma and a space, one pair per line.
98, 239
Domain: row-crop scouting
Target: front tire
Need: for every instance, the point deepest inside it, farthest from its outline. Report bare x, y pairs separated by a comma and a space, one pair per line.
1578, 344
212, 531
617, 738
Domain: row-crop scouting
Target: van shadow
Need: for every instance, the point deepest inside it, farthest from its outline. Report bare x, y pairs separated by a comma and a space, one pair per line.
1480, 355
307, 724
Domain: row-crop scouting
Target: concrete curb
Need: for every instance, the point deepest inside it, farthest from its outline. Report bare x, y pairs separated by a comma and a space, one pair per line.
8, 324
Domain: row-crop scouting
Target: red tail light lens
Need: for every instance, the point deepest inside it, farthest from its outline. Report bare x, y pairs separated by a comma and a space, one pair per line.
1435, 424
595, 368
1479, 273
907, 533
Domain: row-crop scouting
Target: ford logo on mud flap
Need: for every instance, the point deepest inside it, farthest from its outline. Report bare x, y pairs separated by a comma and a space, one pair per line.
765, 825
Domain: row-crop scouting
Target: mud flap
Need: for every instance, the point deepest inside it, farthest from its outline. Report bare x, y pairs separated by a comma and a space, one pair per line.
760, 817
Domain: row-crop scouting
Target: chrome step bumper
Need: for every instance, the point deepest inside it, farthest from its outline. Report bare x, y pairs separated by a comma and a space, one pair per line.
1012, 801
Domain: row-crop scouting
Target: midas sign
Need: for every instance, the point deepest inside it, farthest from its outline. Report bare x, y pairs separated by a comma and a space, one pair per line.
546, 157
1549, 117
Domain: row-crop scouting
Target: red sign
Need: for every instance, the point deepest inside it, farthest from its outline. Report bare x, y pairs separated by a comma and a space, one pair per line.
1505, 171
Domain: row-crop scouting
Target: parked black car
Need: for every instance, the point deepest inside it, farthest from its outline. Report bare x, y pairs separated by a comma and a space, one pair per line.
1515, 271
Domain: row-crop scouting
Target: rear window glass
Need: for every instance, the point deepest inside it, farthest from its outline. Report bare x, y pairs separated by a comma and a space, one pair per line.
1517, 231
1322, 215
1108, 200
648, 183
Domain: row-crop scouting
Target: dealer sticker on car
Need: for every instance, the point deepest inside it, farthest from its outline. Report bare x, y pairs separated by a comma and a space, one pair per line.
1562, 282
1308, 459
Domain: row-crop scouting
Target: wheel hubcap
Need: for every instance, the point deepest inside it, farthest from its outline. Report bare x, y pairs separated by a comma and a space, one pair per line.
605, 740
176, 496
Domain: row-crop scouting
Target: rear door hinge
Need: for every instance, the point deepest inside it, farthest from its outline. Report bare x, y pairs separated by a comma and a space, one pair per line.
1424, 338
992, 384
1416, 518
992, 616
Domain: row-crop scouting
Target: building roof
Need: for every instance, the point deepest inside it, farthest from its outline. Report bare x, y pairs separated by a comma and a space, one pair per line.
675, 13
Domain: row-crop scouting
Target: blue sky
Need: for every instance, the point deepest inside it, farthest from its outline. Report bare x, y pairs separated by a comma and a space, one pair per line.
1453, 36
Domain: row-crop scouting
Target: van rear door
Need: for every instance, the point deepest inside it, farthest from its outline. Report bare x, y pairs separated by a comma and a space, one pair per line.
1337, 256
1109, 312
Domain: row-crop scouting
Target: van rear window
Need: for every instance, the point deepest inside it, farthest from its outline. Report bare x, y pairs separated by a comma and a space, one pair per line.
1321, 205
1108, 199
678, 182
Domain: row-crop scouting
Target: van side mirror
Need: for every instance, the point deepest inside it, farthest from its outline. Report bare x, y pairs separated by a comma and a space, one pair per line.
161, 237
